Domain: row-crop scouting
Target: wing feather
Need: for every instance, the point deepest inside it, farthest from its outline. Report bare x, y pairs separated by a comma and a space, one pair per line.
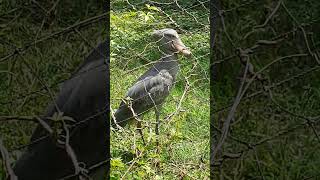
162, 82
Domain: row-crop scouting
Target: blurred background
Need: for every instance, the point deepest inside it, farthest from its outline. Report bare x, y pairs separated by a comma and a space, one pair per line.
41, 44
265, 90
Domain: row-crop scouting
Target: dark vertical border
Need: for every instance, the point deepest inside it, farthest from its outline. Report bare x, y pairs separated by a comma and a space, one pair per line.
214, 23
106, 8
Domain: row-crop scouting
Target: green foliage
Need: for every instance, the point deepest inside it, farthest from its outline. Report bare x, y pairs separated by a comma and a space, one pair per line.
52, 60
288, 155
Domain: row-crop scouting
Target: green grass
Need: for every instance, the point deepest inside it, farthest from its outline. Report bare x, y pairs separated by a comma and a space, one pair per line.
53, 61
184, 138
293, 154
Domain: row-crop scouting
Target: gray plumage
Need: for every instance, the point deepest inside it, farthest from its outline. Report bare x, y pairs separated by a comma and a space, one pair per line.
83, 96
153, 87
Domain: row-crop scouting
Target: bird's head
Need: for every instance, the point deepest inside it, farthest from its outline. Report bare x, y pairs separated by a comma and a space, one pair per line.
171, 42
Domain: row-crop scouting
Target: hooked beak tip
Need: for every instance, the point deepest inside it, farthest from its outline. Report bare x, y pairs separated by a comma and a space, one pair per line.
186, 53
182, 49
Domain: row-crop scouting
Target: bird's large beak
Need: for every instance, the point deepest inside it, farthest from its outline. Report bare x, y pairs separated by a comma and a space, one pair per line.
178, 44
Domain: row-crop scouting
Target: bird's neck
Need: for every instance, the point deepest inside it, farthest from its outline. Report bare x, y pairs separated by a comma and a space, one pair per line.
169, 57
169, 62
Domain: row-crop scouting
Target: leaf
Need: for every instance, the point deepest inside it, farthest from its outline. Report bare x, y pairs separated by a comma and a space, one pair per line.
117, 163
146, 18
141, 174
148, 169
132, 14
153, 8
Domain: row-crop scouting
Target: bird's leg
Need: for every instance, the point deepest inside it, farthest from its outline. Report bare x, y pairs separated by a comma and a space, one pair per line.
157, 121
139, 128
157, 112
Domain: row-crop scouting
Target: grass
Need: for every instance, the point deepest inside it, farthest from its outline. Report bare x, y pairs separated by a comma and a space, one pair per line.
290, 153
184, 138
52, 61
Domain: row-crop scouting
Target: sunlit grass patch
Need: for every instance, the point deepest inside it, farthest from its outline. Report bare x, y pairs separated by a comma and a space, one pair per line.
184, 129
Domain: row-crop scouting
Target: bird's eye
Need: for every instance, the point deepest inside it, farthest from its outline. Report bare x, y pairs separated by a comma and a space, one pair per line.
171, 36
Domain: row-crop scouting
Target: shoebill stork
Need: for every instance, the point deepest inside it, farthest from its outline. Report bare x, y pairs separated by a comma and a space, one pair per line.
152, 88
83, 98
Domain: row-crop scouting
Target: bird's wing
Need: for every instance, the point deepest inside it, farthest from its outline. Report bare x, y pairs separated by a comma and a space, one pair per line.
145, 94
163, 81
82, 97
84, 92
